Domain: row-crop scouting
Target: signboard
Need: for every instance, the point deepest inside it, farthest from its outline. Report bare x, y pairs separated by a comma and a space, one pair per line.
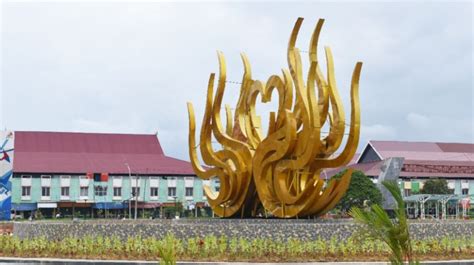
6, 172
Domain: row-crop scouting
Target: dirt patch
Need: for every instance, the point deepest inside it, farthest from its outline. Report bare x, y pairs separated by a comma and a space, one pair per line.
6, 228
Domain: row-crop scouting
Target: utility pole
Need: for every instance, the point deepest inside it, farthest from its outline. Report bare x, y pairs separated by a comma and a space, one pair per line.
145, 179
137, 191
129, 200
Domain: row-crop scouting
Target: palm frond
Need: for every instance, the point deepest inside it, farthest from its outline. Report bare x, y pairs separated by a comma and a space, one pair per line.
395, 233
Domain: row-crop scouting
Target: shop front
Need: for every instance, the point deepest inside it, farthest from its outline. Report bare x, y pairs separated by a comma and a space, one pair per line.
46, 209
24, 210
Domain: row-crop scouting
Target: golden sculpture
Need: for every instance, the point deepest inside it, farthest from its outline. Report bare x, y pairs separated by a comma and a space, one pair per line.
280, 169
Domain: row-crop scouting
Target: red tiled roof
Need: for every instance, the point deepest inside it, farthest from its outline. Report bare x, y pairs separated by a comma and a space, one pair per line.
412, 168
429, 151
422, 159
370, 168
333, 171
67, 142
79, 153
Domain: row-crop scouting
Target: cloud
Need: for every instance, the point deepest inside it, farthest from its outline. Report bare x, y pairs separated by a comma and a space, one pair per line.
449, 129
418, 121
378, 132
131, 67
83, 125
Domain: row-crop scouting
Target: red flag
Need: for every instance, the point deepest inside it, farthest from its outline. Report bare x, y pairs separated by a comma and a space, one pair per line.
104, 177
90, 175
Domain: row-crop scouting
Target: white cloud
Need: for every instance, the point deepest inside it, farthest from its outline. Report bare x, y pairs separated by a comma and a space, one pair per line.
378, 132
83, 125
131, 67
418, 121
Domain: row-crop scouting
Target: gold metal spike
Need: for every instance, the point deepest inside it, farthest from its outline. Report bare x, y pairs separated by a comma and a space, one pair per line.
279, 169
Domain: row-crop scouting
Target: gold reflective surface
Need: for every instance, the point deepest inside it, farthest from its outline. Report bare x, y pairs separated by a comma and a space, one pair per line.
279, 170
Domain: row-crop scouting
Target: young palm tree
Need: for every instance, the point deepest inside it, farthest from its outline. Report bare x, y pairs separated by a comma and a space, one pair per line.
167, 251
394, 233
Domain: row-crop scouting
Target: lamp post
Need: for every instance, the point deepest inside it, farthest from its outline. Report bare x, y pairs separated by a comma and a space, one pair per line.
129, 205
137, 190
175, 198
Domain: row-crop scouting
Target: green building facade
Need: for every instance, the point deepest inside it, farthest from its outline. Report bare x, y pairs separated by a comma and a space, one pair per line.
69, 195
59, 174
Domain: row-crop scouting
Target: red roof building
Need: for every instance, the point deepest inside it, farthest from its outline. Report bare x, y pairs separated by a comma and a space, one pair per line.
85, 173
80, 153
422, 159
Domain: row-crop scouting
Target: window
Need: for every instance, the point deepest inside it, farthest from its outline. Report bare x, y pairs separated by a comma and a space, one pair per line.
154, 192
189, 192
65, 181
65, 191
172, 181
84, 192
172, 191
45, 187
465, 191
117, 181
45, 191
100, 190
26, 191
407, 192
25, 187
45, 180
83, 181
154, 182
135, 181
135, 191
117, 192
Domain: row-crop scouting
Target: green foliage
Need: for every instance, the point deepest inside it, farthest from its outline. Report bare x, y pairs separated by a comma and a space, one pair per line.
394, 233
212, 248
167, 251
172, 211
39, 215
361, 189
436, 186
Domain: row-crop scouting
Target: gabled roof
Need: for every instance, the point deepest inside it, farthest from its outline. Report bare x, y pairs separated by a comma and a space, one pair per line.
370, 168
421, 159
423, 151
79, 153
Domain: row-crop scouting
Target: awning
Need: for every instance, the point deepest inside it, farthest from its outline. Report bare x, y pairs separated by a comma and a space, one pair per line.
110, 205
148, 205
74, 204
47, 205
24, 206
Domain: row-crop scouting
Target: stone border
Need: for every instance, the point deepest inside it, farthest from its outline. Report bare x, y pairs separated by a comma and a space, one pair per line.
249, 229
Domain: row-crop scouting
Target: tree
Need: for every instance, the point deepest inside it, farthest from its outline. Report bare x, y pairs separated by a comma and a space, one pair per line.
394, 233
361, 192
436, 186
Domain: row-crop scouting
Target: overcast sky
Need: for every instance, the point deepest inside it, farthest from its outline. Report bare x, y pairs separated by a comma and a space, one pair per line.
131, 67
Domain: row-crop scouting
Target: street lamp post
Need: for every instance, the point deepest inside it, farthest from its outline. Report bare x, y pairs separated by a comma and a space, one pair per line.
137, 190
129, 200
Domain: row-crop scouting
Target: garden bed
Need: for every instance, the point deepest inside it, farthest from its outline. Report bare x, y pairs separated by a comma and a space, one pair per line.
212, 248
